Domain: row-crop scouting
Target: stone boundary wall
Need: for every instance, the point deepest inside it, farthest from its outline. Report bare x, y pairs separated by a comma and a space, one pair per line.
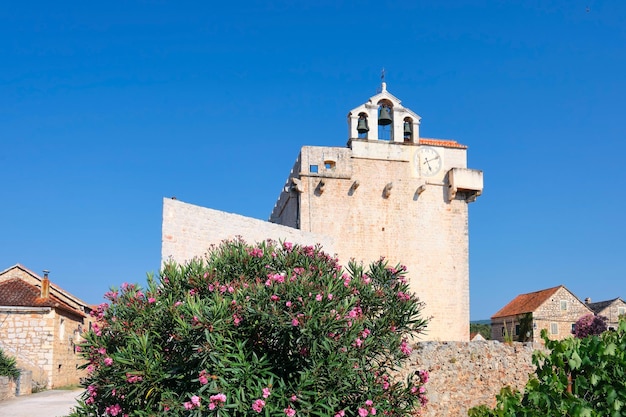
7, 388
467, 374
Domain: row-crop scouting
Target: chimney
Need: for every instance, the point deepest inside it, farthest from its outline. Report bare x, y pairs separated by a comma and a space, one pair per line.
587, 300
45, 285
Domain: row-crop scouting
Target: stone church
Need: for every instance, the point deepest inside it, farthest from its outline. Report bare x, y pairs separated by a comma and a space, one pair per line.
387, 193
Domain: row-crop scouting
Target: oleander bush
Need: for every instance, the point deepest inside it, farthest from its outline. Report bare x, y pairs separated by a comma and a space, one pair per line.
590, 324
579, 377
273, 329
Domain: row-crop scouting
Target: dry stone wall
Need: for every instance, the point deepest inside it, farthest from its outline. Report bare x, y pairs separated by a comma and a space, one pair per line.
467, 374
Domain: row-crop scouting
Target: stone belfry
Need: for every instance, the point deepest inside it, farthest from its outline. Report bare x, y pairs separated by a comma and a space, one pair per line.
391, 193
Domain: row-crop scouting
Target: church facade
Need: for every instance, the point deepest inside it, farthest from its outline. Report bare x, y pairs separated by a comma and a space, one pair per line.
387, 193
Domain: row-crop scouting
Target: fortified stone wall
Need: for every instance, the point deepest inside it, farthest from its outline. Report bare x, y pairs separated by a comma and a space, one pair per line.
468, 374
189, 231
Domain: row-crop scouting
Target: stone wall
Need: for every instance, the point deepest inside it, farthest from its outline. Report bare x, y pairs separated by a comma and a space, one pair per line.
7, 388
189, 230
467, 374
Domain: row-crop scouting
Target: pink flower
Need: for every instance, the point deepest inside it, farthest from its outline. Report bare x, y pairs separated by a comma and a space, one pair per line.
266, 392
405, 348
330, 296
369, 403
258, 405
363, 412
236, 320
357, 342
187, 405
102, 351
295, 322
373, 411
288, 246
365, 333
108, 361
423, 376
202, 378
290, 412
288, 303
318, 297
195, 400
113, 410
218, 398
340, 413
133, 378
402, 296
294, 398
274, 297
151, 300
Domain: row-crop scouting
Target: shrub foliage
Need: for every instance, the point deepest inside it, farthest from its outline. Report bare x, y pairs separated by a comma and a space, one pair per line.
590, 324
8, 366
273, 329
580, 377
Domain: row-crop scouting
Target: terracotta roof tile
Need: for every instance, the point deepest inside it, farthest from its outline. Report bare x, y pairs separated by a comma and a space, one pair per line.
18, 293
447, 143
526, 303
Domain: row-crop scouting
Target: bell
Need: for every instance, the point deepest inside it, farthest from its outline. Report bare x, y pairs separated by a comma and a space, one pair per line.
361, 126
384, 117
408, 130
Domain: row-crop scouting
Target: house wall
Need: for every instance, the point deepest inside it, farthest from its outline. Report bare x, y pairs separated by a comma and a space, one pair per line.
32, 336
611, 312
550, 312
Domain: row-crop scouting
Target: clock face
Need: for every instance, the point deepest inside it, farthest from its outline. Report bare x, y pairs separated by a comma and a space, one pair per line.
428, 161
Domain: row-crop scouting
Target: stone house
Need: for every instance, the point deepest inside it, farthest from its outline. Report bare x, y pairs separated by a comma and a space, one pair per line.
555, 309
611, 309
41, 326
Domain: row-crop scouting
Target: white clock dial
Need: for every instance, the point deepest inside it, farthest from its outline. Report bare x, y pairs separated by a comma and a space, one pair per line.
428, 161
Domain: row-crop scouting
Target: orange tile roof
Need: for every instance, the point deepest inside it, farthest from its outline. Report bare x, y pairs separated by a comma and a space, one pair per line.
526, 303
18, 293
447, 143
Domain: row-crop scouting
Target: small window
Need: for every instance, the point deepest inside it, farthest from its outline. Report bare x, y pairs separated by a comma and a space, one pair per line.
563, 305
503, 332
621, 311
554, 328
517, 330
573, 328
329, 165
313, 169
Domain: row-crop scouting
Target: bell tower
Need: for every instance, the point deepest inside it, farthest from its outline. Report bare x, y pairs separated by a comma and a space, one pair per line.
394, 194
394, 122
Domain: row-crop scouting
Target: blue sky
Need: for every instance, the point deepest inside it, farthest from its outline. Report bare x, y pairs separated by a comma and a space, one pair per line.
106, 108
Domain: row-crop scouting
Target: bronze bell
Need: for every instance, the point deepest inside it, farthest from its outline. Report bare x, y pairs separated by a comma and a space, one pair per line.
361, 126
408, 130
384, 117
